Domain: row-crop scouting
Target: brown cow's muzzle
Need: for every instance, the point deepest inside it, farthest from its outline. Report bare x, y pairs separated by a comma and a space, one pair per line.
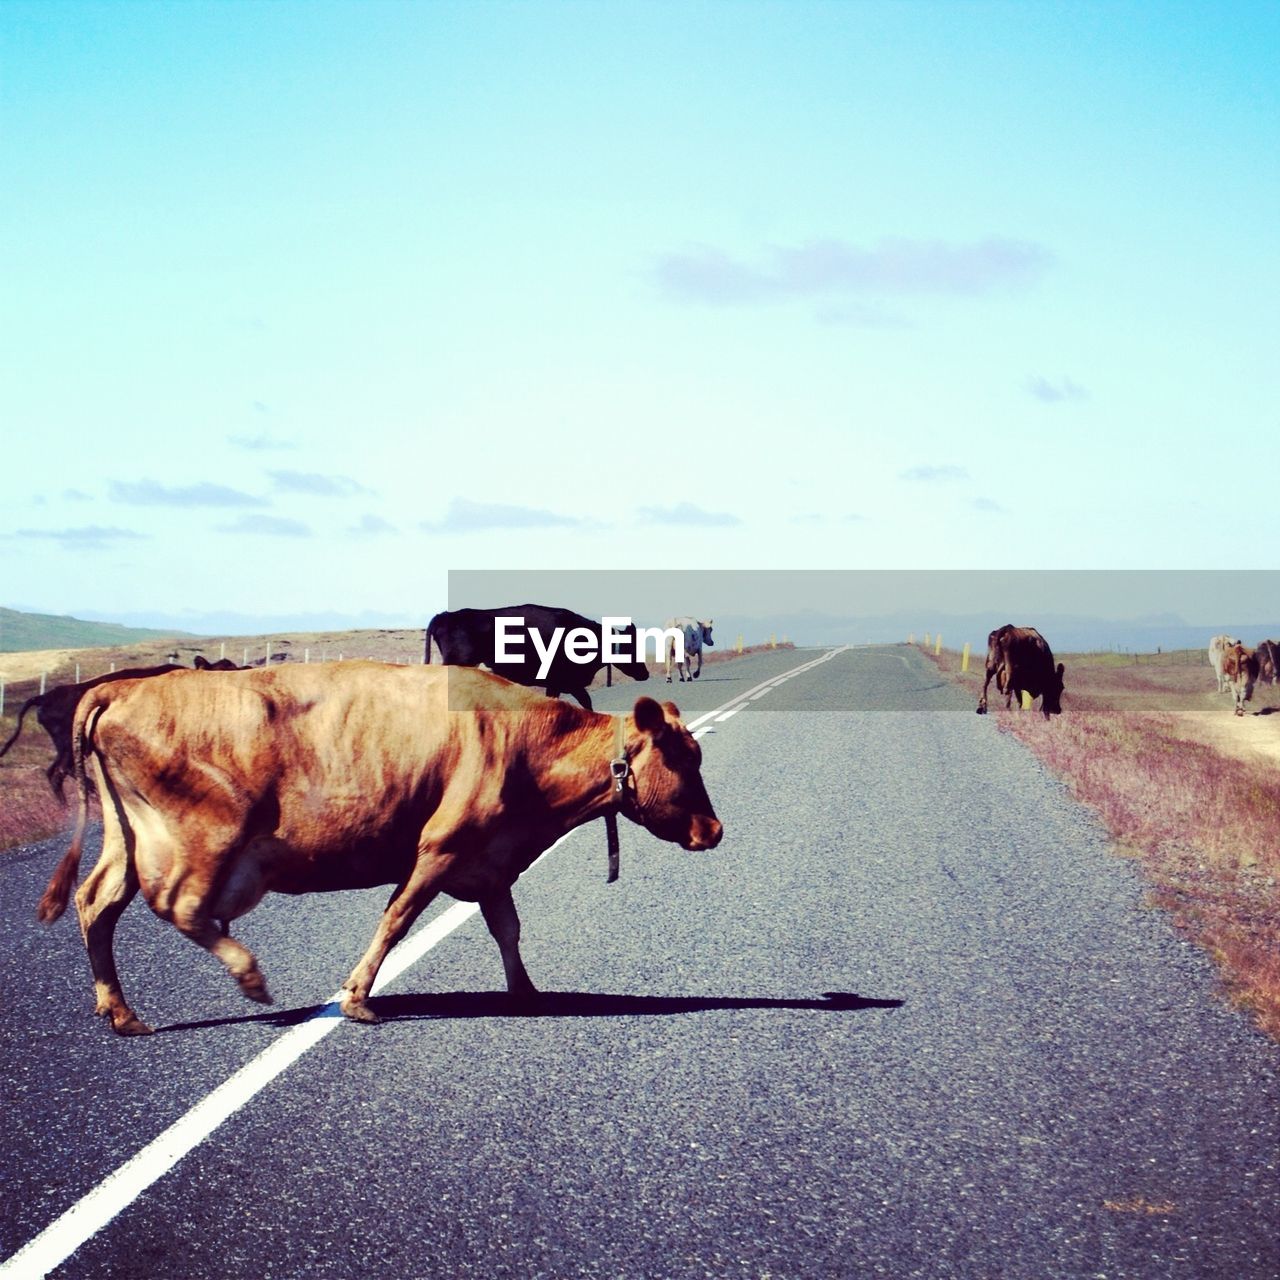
704, 833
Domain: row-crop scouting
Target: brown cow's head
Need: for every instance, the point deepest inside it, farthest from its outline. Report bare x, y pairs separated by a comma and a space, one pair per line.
1051, 702
669, 797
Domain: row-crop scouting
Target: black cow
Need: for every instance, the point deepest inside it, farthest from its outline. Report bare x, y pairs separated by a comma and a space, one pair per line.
468, 638
201, 663
56, 708
1022, 661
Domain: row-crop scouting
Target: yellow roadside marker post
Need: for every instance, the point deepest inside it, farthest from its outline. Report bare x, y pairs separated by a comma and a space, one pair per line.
964, 658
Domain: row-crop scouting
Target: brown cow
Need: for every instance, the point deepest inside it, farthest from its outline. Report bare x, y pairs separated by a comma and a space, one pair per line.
1240, 671
1020, 660
1268, 661
56, 708
305, 778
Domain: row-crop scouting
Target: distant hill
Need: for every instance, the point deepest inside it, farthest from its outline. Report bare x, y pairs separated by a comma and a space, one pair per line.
22, 631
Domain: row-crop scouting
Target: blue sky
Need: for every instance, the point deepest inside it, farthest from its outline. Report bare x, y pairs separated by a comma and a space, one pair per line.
306, 305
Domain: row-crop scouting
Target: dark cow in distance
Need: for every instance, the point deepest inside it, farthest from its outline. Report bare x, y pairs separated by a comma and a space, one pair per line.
202, 663
1240, 671
468, 638
1021, 661
56, 708
304, 779
1268, 661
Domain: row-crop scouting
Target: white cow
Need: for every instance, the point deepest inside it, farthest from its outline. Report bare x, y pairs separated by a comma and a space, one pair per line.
696, 635
1217, 647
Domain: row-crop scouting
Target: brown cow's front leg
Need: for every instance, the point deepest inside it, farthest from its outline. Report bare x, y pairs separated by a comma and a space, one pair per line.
982, 701
499, 911
406, 905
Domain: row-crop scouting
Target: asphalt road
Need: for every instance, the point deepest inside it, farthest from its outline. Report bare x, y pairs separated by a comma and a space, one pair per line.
910, 1019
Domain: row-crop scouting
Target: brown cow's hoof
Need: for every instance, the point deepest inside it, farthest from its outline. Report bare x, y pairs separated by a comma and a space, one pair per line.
254, 986
525, 1001
982, 711
131, 1025
358, 1011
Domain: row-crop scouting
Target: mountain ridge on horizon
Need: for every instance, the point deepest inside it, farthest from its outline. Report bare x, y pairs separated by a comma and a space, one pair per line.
23, 630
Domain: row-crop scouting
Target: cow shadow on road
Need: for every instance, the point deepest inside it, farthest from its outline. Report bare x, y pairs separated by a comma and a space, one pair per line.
549, 1004
599, 1004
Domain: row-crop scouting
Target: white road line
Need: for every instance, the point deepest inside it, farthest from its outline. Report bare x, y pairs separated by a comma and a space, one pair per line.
62, 1237
746, 695
733, 711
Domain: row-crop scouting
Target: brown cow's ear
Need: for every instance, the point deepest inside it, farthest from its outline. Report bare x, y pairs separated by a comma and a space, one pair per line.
672, 710
649, 717
1061, 669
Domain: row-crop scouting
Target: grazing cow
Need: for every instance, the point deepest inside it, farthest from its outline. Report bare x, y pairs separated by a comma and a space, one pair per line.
468, 638
202, 663
56, 708
1268, 661
697, 634
303, 779
1217, 647
1021, 661
1240, 670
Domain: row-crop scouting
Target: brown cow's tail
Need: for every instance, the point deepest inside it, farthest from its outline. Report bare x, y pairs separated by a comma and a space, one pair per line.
26, 706
63, 880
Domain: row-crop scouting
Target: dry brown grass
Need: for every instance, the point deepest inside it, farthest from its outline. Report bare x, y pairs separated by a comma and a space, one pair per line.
28, 808
1184, 785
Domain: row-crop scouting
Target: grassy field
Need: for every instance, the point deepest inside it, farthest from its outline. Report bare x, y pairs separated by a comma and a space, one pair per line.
1183, 785
28, 809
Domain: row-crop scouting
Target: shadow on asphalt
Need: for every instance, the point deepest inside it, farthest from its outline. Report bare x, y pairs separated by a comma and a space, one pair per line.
548, 1004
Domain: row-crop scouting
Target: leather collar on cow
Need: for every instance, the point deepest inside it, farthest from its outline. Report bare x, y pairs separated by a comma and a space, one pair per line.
619, 765
620, 770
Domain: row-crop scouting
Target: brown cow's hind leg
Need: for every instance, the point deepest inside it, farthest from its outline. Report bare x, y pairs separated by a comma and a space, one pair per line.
99, 903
